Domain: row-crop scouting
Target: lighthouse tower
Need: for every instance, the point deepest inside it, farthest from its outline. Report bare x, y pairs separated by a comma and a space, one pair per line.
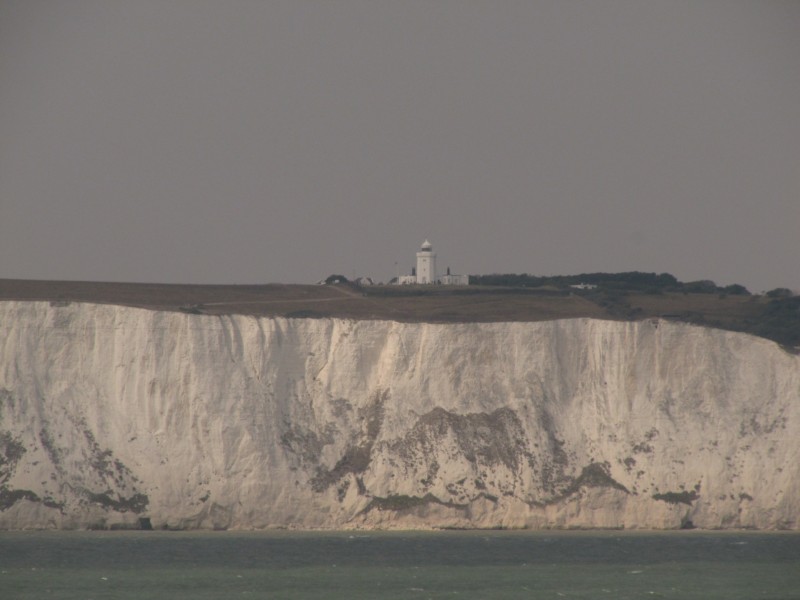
426, 263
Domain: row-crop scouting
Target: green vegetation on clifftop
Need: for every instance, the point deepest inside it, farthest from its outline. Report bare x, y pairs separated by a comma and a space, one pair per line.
491, 298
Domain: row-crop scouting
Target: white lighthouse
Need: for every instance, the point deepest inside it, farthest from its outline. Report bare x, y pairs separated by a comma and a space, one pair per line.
426, 263
425, 273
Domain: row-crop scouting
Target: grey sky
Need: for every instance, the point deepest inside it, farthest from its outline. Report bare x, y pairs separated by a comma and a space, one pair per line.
255, 141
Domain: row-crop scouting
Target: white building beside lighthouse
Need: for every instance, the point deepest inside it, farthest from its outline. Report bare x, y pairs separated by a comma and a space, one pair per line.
425, 271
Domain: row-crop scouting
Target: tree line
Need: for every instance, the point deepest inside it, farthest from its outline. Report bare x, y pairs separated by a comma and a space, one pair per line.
632, 281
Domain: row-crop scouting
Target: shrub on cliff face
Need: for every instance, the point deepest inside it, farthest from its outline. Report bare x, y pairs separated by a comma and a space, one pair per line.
677, 497
11, 450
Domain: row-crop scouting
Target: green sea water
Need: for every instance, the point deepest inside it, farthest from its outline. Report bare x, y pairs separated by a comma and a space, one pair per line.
416, 565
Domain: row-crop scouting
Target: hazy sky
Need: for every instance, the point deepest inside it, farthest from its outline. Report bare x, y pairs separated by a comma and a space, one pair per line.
254, 141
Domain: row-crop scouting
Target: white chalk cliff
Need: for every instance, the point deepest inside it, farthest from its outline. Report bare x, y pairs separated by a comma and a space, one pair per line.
110, 416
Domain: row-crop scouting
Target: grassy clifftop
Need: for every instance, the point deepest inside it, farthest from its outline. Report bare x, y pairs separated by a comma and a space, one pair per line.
775, 318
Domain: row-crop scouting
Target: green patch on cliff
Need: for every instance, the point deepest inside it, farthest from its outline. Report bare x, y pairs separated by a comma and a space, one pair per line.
400, 502
593, 475
684, 497
136, 503
9, 498
356, 458
11, 451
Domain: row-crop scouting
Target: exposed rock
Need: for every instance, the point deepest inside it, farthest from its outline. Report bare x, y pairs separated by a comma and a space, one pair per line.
115, 417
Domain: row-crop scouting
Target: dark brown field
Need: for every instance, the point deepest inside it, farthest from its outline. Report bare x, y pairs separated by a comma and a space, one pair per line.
412, 303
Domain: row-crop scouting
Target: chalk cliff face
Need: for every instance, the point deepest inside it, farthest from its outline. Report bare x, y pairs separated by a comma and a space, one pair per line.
112, 415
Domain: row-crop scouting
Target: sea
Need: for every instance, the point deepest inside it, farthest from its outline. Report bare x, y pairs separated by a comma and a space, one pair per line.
95, 565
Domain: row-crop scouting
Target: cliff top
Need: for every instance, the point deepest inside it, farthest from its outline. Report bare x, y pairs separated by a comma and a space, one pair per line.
773, 318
